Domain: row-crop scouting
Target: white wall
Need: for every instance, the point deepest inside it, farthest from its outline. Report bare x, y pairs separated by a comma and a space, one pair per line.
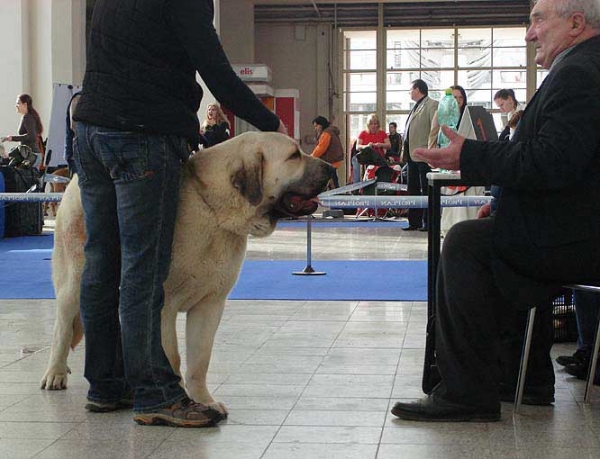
237, 30
14, 71
299, 57
40, 55
42, 43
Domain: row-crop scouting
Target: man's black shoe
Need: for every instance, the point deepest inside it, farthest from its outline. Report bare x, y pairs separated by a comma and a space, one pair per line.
580, 371
410, 228
532, 395
435, 409
423, 230
577, 357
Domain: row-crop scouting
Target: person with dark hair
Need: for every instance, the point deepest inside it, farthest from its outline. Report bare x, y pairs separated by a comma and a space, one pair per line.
459, 93
418, 133
395, 142
136, 123
506, 101
70, 132
329, 146
545, 232
30, 128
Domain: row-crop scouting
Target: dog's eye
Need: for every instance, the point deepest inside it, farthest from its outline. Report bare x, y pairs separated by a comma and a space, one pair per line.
296, 155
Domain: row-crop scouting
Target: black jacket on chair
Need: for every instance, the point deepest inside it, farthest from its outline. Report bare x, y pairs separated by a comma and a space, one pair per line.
547, 224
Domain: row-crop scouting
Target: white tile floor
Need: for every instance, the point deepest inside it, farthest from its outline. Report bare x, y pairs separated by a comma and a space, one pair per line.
302, 380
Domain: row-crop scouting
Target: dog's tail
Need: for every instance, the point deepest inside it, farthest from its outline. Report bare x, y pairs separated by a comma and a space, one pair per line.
77, 331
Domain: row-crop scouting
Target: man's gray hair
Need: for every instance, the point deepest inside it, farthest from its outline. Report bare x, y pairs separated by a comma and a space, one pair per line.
589, 8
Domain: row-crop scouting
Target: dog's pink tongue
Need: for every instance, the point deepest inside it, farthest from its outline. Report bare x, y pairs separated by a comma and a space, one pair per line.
295, 205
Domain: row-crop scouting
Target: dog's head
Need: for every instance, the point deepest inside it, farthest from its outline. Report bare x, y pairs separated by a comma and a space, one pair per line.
256, 178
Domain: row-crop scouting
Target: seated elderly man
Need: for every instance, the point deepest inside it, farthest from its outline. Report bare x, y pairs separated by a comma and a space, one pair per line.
546, 230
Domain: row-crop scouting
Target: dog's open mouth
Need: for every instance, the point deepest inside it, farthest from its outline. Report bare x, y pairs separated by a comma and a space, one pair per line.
294, 205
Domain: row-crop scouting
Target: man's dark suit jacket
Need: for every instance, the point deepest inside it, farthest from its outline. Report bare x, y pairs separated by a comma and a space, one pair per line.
547, 225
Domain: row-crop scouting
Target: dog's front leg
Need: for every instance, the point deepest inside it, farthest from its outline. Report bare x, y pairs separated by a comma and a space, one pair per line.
200, 329
66, 325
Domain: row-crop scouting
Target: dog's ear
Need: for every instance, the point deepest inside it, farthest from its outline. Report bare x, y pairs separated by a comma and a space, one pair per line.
248, 179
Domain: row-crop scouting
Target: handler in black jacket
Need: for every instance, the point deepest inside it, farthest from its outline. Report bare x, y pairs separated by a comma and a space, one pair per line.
136, 122
546, 231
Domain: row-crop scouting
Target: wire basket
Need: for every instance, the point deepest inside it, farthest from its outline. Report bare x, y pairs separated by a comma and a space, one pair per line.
565, 323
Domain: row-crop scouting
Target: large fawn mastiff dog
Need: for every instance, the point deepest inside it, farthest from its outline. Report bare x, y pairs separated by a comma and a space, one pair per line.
240, 187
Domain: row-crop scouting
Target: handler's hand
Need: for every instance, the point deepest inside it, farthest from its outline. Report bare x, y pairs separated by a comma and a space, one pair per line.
282, 128
444, 158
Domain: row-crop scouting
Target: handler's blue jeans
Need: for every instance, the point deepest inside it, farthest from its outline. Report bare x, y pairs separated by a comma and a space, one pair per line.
129, 190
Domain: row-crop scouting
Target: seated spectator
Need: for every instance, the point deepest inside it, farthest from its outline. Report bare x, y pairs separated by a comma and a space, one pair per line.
329, 146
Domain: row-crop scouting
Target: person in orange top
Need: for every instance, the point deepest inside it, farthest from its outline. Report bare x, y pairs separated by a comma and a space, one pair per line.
329, 146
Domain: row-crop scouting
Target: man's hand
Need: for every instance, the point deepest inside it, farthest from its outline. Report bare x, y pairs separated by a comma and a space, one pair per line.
484, 211
443, 158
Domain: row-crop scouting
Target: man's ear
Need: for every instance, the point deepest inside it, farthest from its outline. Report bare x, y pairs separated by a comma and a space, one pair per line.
248, 178
578, 24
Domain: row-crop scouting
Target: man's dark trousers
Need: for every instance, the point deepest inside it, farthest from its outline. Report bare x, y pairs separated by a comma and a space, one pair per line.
478, 331
417, 186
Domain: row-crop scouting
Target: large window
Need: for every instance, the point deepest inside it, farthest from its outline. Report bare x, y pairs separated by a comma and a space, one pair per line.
482, 60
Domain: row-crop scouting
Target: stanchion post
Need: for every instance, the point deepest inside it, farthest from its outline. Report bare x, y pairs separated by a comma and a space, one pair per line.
308, 271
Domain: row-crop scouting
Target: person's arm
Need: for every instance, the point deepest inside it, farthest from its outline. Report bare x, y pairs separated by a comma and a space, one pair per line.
433, 133
564, 140
192, 21
30, 136
385, 142
360, 142
322, 145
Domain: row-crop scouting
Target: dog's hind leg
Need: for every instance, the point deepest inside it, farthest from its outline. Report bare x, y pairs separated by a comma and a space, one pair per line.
200, 329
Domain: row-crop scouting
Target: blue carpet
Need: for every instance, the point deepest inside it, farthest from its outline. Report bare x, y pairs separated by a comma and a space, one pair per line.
346, 223
25, 264
344, 280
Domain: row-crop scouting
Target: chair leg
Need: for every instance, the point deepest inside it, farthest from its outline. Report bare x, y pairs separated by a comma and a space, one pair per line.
524, 360
592, 369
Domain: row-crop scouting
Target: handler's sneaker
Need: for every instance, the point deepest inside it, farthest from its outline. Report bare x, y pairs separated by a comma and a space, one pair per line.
185, 413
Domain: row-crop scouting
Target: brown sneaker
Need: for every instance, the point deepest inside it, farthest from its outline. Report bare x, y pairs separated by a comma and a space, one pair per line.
185, 413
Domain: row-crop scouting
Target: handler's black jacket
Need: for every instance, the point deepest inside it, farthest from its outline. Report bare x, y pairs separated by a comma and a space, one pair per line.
141, 69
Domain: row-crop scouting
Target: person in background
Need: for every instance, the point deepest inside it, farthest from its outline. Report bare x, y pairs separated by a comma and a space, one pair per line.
216, 127
373, 136
329, 146
30, 129
453, 215
506, 101
418, 133
136, 122
70, 133
460, 95
395, 143
545, 232
355, 171
587, 308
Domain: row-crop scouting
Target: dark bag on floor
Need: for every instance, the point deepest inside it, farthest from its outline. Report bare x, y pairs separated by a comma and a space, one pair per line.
22, 219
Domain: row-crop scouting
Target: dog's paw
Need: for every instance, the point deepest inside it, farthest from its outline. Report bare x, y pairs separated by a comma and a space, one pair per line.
55, 380
220, 407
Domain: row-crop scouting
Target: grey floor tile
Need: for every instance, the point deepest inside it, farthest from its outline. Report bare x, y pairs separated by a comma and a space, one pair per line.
301, 379
320, 451
432, 451
19, 448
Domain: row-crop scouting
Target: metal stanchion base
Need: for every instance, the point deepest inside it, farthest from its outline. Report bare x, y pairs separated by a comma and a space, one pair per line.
308, 271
